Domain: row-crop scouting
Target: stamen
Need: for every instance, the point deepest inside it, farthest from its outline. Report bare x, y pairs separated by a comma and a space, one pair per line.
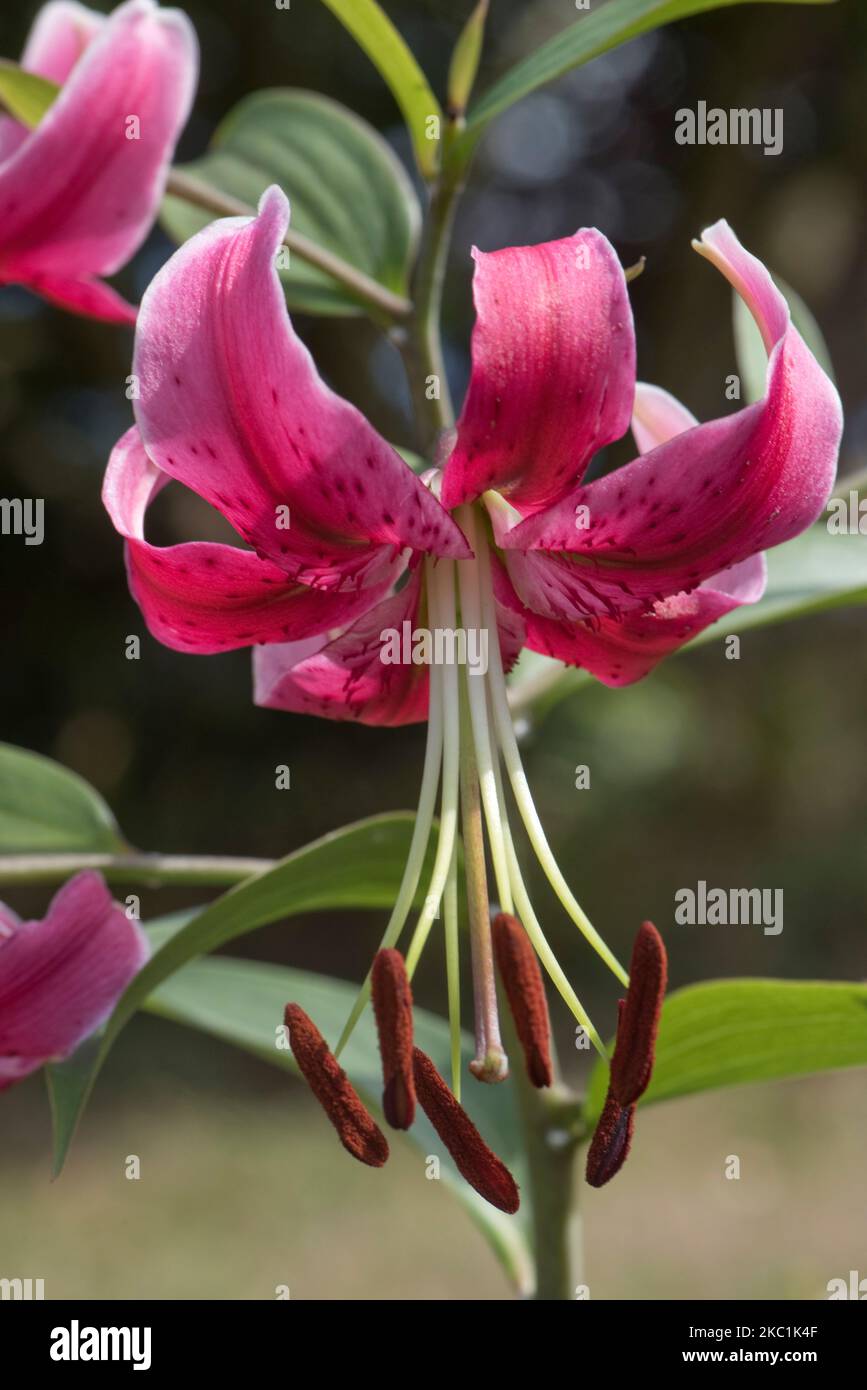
638, 1023
392, 1006
632, 1063
525, 991
611, 1142
475, 1162
358, 1131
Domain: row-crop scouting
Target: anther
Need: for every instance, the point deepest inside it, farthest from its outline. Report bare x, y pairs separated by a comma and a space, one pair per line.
475, 1162
358, 1131
392, 1007
525, 991
632, 1063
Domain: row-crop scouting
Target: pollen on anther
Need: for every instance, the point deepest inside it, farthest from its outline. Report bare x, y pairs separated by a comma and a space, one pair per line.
392, 1007
357, 1130
525, 991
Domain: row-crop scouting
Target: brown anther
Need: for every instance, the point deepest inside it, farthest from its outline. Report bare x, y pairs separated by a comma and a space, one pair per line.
525, 991
475, 1162
392, 1006
638, 1023
611, 1140
632, 1063
359, 1133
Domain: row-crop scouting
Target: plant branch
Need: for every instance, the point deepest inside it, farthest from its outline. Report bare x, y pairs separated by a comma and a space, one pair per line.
132, 867
367, 290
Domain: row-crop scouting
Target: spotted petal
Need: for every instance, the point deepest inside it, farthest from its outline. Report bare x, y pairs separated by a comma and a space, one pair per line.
553, 371
704, 500
78, 195
232, 405
203, 597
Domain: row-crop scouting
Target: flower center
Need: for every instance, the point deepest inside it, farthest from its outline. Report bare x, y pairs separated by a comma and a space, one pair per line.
471, 744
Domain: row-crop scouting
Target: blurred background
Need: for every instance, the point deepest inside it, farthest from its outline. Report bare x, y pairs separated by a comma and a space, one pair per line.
755, 779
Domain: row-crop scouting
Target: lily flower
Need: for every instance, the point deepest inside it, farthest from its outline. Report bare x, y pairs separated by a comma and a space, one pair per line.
62, 976
352, 556
79, 193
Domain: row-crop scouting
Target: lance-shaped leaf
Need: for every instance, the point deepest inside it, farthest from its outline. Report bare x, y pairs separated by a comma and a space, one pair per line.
348, 191
733, 1032
242, 1003
373, 31
604, 28
359, 866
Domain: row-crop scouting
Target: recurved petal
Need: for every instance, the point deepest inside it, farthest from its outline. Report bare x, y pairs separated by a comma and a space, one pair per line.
709, 496
79, 194
203, 597
620, 651
553, 371
232, 405
59, 35
61, 977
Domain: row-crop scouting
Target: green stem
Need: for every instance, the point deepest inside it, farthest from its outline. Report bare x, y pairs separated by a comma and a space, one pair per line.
383, 302
152, 870
422, 344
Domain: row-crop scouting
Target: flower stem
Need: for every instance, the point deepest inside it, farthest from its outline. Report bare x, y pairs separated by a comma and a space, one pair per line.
362, 287
152, 870
422, 344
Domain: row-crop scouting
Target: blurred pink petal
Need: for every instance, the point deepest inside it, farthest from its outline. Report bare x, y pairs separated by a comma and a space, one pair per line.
61, 977
77, 194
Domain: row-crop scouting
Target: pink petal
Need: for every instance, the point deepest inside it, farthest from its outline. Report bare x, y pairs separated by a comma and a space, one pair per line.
348, 679
707, 498
231, 404
92, 298
60, 33
553, 371
77, 197
61, 977
657, 416
203, 597
621, 651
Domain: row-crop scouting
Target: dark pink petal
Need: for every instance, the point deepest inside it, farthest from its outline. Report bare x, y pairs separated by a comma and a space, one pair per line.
60, 33
347, 678
621, 651
707, 498
77, 196
553, 371
231, 404
204, 597
61, 977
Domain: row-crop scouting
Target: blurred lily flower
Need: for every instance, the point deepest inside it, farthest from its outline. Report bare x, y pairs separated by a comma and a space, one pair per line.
354, 557
61, 977
79, 193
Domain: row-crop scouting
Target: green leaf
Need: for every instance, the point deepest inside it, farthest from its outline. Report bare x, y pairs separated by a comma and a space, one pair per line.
242, 1003
25, 96
46, 808
359, 866
733, 1032
602, 29
465, 59
348, 190
373, 31
750, 351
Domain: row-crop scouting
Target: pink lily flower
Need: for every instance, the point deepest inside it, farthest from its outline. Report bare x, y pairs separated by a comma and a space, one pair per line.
353, 557
61, 977
79, 193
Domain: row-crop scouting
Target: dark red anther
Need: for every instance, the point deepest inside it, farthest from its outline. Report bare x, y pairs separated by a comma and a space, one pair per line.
475, 1162
611, 1140
525, 991
638, 1023
392, 1005
359, 1133
632, 1063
